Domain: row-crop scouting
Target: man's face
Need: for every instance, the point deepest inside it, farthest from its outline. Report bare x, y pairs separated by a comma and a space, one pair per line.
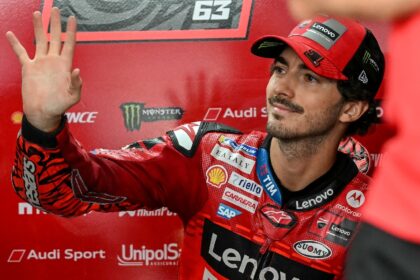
300, 103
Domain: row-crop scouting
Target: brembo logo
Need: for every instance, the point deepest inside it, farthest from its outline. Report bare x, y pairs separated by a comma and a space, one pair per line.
313, 202
325, 30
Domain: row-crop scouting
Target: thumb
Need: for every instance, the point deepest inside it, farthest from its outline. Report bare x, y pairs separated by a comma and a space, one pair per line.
76, 82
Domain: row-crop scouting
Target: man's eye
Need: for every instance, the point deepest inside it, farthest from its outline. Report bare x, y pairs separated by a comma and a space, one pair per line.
311, 78
277, 69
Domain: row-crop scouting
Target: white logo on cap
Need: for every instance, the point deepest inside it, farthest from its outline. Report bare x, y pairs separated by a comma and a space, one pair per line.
363, 77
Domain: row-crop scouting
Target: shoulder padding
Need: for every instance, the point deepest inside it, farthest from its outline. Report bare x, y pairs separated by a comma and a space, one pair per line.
187, 137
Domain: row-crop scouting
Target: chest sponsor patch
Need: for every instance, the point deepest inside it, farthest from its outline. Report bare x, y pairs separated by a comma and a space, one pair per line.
216, 176
312, 249
236, 257
240, 200
245, 184
251, 151
234, 159
355, 198
227, 212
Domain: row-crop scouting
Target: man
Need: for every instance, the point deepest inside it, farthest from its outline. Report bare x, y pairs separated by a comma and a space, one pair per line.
392, 210
281, 205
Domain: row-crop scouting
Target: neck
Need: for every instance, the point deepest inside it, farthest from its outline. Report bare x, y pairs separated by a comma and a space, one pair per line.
297, 163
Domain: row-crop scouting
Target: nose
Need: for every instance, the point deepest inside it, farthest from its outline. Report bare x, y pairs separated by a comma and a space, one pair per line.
284, 85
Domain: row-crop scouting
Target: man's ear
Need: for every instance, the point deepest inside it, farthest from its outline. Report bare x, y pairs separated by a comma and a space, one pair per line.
353, 110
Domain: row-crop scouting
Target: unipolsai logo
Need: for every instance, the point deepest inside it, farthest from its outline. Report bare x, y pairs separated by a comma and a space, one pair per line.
136, 113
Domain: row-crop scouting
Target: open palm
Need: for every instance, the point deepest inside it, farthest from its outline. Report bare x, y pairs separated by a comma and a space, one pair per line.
49, 84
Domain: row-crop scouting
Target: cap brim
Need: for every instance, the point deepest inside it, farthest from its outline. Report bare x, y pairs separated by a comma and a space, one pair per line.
272, 46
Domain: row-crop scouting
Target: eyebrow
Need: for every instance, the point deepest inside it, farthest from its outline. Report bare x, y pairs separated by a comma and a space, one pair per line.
282, 60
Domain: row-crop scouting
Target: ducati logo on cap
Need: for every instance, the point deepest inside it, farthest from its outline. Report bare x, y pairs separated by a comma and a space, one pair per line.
314, 57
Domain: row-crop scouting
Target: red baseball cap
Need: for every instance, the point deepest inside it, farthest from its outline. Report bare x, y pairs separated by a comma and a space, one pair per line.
335, 48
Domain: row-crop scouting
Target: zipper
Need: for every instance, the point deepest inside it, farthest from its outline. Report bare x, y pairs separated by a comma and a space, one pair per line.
264, 257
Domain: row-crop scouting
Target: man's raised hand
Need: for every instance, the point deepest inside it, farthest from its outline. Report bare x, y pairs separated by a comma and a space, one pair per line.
50, 86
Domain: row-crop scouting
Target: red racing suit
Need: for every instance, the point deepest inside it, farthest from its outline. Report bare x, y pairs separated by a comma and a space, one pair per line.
240, 222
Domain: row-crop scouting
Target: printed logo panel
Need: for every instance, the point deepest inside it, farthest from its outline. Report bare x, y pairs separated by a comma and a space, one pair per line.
136, 113
240, 200
227, 212
236, 257
245, 184
216, 176
355, 198
155, 20
251, 151
234, 159
312, 249
131, 255
333, 227
69, 254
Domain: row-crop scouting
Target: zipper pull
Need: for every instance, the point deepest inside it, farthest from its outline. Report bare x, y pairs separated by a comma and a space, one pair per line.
265, 246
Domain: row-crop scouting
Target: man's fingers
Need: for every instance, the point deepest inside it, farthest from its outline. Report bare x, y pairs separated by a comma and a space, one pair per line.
69, 45
55, 27
40, 36
17, 48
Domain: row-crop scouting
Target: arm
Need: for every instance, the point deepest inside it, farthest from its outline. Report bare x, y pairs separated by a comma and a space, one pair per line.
53, 172
382, 10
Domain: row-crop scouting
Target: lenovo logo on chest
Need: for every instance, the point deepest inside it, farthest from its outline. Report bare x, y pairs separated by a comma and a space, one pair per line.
310, 203
236, 257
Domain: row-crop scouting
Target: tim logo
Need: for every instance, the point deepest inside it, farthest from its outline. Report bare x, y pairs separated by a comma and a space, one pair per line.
145, 20
136, 113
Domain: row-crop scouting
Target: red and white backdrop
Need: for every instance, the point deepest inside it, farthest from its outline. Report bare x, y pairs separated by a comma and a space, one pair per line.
147, 66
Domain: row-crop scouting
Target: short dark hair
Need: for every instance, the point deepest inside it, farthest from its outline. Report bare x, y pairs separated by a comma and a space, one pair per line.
351, 91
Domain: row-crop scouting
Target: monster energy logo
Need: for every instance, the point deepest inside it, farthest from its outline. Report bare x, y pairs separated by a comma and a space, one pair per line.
135, 113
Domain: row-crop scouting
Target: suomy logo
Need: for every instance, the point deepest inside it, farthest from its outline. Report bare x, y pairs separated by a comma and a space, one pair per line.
312, 249
309, 203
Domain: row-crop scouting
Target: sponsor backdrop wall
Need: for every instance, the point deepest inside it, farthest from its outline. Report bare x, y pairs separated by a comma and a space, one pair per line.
147, 67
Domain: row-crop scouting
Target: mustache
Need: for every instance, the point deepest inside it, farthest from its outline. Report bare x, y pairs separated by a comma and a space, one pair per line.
285, 102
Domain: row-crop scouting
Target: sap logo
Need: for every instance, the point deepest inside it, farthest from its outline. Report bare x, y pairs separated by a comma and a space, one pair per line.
355, 198
81, 117
227, 212
312, 249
